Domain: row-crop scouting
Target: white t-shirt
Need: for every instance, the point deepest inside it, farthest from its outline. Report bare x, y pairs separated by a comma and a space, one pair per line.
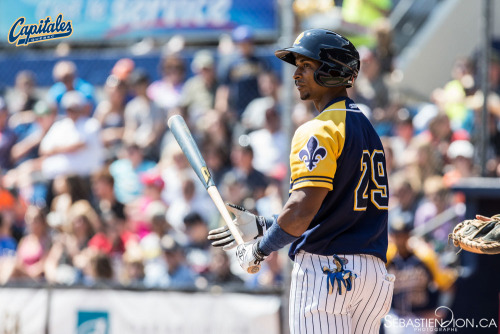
64, 133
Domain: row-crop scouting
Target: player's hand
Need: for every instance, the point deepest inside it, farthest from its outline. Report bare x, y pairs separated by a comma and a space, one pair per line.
249, 256
249, 225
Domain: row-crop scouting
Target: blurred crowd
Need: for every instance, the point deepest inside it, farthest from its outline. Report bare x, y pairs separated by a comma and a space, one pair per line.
95, 190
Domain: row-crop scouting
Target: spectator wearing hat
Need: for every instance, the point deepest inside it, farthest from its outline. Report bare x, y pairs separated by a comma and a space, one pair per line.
137, 210
240, 79
420, 278
72, 145
7, 138
461, 157
198, 93
144, 120
178, 273
66, 80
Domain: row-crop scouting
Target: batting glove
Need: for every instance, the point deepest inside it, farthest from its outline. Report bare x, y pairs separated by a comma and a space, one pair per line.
249, 225
250, 256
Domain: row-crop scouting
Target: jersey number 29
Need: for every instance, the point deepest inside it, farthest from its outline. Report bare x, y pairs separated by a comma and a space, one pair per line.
372, 184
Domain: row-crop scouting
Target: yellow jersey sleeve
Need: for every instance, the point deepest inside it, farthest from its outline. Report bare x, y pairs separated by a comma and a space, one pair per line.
316, 146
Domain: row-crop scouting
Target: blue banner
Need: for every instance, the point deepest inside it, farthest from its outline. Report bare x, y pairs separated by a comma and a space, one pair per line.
122, 20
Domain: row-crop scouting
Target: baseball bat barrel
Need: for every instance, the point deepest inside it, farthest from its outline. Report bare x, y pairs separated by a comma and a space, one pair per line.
186, 141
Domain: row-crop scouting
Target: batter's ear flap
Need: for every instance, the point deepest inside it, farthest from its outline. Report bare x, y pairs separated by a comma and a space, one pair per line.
328, 76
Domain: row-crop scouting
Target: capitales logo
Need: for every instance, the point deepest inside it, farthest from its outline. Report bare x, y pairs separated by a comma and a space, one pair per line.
23, 34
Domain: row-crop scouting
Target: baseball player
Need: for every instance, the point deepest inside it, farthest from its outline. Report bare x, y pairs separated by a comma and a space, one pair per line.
336, 215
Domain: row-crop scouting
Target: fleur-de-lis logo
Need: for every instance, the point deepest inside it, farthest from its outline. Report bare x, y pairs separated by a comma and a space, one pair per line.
312, 153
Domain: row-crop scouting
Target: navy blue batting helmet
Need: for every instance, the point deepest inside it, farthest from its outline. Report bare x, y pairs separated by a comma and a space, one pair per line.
338, 56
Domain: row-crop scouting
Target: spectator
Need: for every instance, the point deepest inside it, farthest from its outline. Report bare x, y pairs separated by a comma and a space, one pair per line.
175, 168
167, 91
420, 278
239, 80
371, 89
106, 203
178, 274
144, 120
404, 133
197, 246
133, 271
23, 97
189, 201
8, 138
270, 274
110, 114
461, 157
270, 145
126, 171
217, 159
66, 260
243, 170
28, 144
198, 94
72, 144
137, 210
122, 69
254, 116
219, 272
33, 247
66, 80
406, 198
437, 200
68, 190
99, 270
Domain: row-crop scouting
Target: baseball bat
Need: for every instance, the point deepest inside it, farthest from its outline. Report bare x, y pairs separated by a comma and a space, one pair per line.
186, 141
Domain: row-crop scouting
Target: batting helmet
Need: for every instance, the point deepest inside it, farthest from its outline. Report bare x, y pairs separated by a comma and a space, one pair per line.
338, 56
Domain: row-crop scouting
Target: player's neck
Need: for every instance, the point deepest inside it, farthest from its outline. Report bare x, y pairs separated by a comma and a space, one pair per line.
330, 94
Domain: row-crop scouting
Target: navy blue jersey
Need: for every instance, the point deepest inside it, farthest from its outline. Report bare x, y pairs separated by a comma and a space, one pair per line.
340, 150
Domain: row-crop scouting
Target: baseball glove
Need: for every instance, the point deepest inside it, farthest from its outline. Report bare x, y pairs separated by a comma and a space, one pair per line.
480, 235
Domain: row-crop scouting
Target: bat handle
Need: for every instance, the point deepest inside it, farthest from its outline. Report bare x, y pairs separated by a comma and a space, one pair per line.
219, 203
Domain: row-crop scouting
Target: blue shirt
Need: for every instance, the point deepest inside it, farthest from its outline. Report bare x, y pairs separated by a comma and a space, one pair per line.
340, 150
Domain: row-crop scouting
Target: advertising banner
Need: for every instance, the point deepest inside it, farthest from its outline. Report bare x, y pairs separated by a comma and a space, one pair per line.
23, 311
123, 312
115, 20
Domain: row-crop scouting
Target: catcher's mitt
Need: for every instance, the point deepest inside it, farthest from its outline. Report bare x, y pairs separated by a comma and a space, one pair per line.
481, 236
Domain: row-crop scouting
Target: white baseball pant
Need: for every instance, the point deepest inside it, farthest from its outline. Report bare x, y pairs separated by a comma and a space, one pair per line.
358, 311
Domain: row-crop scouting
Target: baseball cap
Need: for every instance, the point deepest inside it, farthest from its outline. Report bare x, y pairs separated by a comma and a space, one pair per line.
122, 68
462, 148
169, 244
202, 59
242, 33
401, 222
74, 100
152, 179
41, 108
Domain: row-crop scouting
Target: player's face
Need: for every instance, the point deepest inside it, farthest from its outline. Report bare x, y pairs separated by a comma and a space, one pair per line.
304, 78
